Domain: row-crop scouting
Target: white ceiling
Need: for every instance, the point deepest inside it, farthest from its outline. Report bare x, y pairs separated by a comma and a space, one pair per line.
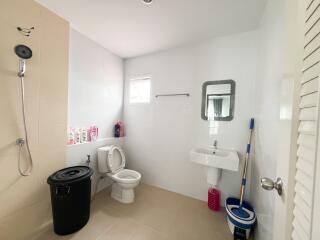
130, 28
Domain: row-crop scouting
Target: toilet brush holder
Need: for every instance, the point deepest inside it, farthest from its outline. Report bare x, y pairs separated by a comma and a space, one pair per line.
214, 196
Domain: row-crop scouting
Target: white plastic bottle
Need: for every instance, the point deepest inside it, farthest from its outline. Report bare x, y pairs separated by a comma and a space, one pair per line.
78, 136
84, 135
71, 136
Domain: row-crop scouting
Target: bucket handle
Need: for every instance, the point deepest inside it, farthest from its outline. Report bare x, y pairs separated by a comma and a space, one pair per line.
62, 190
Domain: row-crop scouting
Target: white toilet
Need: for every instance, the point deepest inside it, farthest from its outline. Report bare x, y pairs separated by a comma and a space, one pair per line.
111, 161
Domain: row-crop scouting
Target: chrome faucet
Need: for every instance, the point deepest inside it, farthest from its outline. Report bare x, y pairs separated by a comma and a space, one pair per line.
215, 144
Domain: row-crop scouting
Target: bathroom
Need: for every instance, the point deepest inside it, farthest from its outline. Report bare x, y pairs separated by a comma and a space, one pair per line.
144, 67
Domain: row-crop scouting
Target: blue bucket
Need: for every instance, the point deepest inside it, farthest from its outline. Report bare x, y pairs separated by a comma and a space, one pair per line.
243, 218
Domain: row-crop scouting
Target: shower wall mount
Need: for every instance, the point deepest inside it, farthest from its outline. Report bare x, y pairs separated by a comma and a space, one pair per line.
25, 31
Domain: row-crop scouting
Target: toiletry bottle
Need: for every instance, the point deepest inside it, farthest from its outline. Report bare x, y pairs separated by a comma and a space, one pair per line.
84, 135
77, 135
121, 129
89, 135
117, 128
71, 136
94, 133
97, 136
80, 135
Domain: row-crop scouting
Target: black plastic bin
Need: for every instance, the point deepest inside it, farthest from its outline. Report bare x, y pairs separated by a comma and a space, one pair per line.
70, 198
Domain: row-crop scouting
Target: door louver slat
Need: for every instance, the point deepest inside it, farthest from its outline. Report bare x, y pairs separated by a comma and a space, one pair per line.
309, 100
307, 141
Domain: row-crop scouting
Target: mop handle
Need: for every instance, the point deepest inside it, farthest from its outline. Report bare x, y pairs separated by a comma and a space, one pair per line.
244, 175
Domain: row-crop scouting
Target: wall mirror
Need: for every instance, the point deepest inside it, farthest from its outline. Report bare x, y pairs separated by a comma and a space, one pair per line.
218, 100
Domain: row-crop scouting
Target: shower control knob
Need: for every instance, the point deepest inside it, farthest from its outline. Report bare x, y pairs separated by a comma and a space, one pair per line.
268, 184
20, 141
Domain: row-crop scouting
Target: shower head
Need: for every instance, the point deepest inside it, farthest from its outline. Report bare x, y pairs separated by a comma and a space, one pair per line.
23, 51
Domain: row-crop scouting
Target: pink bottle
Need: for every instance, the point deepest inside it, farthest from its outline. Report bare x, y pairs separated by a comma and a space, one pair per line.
93, 133
214, 196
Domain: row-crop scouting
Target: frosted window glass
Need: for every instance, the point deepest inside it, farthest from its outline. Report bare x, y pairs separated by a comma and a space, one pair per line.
140, 90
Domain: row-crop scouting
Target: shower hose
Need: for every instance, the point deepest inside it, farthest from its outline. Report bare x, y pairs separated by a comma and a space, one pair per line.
21, 141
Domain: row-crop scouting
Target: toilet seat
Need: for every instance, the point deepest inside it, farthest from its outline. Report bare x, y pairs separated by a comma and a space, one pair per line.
114, 164
111, 161
126, 176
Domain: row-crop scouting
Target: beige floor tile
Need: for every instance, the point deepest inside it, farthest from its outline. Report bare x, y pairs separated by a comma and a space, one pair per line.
156, 214
159, 219
123, 229
195, 221
146, 233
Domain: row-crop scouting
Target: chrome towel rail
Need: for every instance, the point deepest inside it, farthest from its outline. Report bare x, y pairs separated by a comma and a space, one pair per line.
172, 95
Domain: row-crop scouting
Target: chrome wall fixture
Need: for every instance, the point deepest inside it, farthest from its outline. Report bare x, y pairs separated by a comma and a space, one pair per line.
268, 184
25, 31
172, 95
24, 53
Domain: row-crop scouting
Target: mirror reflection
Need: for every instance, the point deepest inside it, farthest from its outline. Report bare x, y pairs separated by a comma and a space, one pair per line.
218, 100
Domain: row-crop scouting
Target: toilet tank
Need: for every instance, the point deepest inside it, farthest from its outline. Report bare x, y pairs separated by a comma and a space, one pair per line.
102, 159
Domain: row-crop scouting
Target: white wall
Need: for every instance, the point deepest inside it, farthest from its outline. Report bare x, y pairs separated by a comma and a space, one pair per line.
280, 46
95, 97
161, 134
267, 114
267, 106
95, 85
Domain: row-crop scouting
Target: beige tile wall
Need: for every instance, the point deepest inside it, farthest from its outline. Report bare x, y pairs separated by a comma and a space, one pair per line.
24, 201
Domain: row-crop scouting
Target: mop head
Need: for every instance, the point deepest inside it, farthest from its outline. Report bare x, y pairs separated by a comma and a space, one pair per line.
240, 216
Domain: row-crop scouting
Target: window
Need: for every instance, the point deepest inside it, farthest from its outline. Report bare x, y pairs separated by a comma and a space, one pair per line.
140, 90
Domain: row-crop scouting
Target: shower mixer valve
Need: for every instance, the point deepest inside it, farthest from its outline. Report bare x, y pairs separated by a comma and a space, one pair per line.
20, 141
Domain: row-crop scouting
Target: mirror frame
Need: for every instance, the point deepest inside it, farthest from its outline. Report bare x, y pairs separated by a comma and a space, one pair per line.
232, 98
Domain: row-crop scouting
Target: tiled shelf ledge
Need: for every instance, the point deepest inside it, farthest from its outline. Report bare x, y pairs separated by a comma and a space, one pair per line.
97, 141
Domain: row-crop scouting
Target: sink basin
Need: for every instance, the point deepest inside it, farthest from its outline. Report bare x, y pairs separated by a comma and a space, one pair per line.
216, 158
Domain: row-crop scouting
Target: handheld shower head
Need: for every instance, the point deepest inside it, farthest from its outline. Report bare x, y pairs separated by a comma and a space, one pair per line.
23, 52
22, 67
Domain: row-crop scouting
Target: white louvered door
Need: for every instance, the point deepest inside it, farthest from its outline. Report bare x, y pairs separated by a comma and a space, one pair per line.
303, 212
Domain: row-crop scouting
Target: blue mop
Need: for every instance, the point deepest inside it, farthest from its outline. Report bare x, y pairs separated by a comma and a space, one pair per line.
241, 216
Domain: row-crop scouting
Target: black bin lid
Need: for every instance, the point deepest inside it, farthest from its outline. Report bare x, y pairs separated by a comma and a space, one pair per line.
70, 175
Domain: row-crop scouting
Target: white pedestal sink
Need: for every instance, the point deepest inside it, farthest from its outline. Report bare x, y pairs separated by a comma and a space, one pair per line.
215, 160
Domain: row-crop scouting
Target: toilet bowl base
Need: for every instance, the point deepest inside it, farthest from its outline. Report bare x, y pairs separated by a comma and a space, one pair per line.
121, 194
